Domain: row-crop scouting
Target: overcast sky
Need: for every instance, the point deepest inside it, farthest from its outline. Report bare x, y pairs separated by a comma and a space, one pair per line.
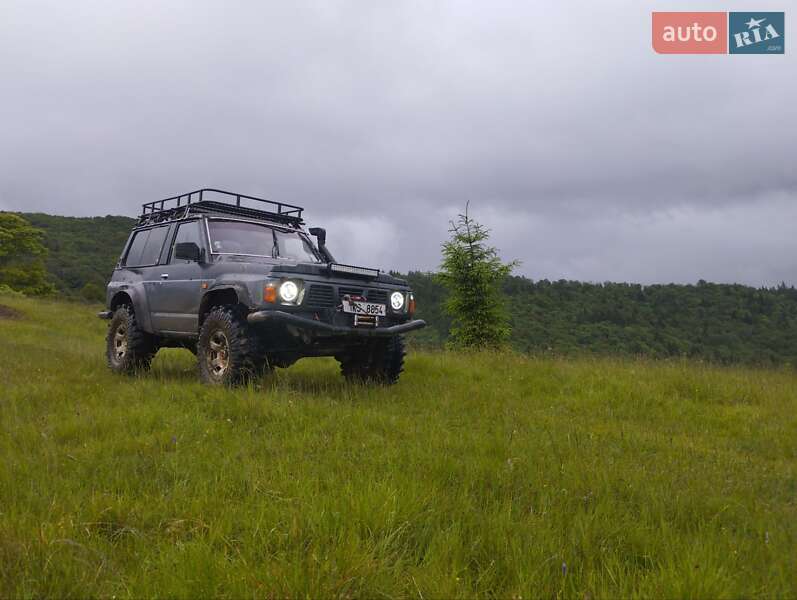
588, 155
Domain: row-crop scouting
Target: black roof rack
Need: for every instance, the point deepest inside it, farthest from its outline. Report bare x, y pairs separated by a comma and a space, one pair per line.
179, 207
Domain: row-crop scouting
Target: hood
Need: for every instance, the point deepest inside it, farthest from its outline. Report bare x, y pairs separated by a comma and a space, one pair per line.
323, 270
270, 266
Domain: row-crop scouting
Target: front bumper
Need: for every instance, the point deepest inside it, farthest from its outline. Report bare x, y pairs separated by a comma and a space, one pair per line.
278, 316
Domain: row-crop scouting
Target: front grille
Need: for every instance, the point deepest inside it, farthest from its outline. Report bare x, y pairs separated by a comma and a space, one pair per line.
377, 296
349, 291
320, 296
323, 296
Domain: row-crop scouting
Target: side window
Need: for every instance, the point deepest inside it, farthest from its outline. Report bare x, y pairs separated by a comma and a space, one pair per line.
136, 248
146, 247
187, 232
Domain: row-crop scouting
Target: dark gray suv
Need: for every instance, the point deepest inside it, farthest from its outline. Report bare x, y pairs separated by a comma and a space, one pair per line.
238, 281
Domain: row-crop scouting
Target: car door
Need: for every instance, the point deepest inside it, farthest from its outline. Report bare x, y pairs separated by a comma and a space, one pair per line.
141, 260
175, 305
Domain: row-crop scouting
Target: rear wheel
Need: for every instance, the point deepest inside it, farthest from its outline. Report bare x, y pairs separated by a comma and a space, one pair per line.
128, 348
227, 350
379, 361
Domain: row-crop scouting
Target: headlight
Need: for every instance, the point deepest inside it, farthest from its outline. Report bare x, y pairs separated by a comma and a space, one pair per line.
289, 291
397, 300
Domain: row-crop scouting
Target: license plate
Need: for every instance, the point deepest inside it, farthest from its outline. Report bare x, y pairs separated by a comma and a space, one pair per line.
364, 308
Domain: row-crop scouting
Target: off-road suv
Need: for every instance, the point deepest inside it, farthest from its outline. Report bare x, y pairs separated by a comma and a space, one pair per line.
238, 281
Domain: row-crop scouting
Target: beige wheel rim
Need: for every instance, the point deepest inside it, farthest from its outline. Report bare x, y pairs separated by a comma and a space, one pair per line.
120, 343
218, 357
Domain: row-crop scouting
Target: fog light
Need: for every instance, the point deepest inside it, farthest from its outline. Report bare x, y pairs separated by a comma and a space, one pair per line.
397, 300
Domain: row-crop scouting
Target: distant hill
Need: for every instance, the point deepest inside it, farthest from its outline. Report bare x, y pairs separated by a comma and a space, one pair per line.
83, 250
716, 322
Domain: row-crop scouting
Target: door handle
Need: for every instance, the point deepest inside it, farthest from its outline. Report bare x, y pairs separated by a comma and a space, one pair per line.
164, 276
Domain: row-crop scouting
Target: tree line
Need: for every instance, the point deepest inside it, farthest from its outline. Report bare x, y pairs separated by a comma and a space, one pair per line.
724, 323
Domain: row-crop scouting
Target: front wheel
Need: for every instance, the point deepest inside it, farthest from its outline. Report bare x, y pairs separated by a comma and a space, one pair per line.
378, 361
128, 348
227, 350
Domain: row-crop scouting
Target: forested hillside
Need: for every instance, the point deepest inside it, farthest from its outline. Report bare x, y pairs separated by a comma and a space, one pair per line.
82, 251
717, 322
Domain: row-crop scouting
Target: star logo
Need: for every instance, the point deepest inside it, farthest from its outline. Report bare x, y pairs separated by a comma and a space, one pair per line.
754, 23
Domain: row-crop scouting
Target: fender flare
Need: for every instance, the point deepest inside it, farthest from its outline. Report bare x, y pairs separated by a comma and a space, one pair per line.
240, 291
140, 305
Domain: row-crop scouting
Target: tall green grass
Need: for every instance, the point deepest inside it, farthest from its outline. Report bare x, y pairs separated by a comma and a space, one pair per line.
477, 475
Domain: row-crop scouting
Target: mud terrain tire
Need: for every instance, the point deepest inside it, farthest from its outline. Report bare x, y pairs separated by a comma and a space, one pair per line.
227, 349
128, 348
380, 361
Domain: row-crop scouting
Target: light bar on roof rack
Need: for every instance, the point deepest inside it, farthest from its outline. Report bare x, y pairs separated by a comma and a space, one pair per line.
352, 270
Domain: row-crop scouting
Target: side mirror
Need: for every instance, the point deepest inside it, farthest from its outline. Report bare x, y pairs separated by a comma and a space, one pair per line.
187, 251
320, 233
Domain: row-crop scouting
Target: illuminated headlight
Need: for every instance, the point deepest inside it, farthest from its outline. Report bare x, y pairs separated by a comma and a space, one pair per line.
397, 300
289, 291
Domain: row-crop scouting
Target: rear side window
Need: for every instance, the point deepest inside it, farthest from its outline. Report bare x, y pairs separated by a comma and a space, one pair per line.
146, 247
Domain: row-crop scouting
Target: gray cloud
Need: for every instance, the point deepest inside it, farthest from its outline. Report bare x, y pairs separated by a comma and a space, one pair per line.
589, 155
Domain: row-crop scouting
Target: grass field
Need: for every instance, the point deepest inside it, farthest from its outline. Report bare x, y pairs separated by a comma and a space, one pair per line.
483, 475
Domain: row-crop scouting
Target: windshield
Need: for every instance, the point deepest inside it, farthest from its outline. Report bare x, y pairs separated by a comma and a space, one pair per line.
251, 239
